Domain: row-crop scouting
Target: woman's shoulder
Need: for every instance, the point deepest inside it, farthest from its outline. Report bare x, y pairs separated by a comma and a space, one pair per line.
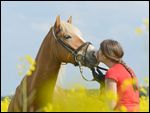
115, 72
115, 69
112, 73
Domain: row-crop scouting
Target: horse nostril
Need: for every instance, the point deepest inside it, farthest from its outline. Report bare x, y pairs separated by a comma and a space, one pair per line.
93, 54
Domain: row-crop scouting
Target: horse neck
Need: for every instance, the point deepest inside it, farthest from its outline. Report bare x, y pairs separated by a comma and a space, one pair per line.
47, 65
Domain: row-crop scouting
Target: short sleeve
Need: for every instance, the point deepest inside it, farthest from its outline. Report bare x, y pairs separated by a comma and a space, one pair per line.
111, 75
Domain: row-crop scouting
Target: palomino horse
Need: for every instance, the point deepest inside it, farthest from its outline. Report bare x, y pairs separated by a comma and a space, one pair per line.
63, 43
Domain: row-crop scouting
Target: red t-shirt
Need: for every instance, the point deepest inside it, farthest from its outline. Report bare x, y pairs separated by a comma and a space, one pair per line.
127, 96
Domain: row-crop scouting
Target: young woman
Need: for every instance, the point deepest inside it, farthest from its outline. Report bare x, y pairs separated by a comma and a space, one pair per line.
120, 79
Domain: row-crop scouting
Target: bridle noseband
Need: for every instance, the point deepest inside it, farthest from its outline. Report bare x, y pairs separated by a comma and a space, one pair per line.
73, 51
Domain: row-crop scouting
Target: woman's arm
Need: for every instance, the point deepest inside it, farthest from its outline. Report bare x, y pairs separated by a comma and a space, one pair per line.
111, 89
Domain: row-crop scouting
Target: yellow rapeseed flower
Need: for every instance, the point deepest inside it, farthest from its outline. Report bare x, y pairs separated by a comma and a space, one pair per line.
5, 104
125, 84
30, 59
138, 31
29, 73
74, 100
143, 90
48, 108
123, 109
146, 21
32, 68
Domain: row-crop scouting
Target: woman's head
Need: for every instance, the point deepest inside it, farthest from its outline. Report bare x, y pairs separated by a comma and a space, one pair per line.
110, 50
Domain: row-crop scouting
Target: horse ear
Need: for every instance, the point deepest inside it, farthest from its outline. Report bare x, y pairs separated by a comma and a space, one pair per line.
70, 20
57, 23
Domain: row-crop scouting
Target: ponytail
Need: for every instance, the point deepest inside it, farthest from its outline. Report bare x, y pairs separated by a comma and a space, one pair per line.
134, 84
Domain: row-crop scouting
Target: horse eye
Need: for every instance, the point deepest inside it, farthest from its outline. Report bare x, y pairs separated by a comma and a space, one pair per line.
67, 37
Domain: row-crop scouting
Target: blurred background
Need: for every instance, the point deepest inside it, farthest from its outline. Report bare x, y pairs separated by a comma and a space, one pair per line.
25, 24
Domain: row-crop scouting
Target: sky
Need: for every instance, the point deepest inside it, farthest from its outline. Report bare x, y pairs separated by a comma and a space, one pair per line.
25, 24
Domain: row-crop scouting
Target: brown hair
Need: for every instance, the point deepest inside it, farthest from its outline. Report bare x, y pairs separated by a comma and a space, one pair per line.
113, 51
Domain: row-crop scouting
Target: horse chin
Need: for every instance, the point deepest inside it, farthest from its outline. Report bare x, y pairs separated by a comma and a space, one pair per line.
89, 63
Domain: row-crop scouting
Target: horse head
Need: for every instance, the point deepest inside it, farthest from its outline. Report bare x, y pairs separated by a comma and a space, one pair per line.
73, 48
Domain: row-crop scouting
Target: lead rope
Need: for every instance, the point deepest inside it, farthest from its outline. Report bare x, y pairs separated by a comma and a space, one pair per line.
81, 72
81, 69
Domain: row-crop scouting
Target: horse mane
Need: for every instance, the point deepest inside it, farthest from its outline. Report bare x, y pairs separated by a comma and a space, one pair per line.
48, 43
70, 28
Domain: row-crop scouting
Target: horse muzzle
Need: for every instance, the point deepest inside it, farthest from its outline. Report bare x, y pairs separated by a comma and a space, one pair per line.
88, 59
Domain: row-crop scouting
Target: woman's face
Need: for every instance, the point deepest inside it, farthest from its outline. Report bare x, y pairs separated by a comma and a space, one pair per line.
100, 56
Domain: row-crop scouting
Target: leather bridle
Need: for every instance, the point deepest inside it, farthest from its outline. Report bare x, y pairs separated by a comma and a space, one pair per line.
74, 52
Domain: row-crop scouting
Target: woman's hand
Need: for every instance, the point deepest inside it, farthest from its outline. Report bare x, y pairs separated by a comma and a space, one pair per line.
98, 76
